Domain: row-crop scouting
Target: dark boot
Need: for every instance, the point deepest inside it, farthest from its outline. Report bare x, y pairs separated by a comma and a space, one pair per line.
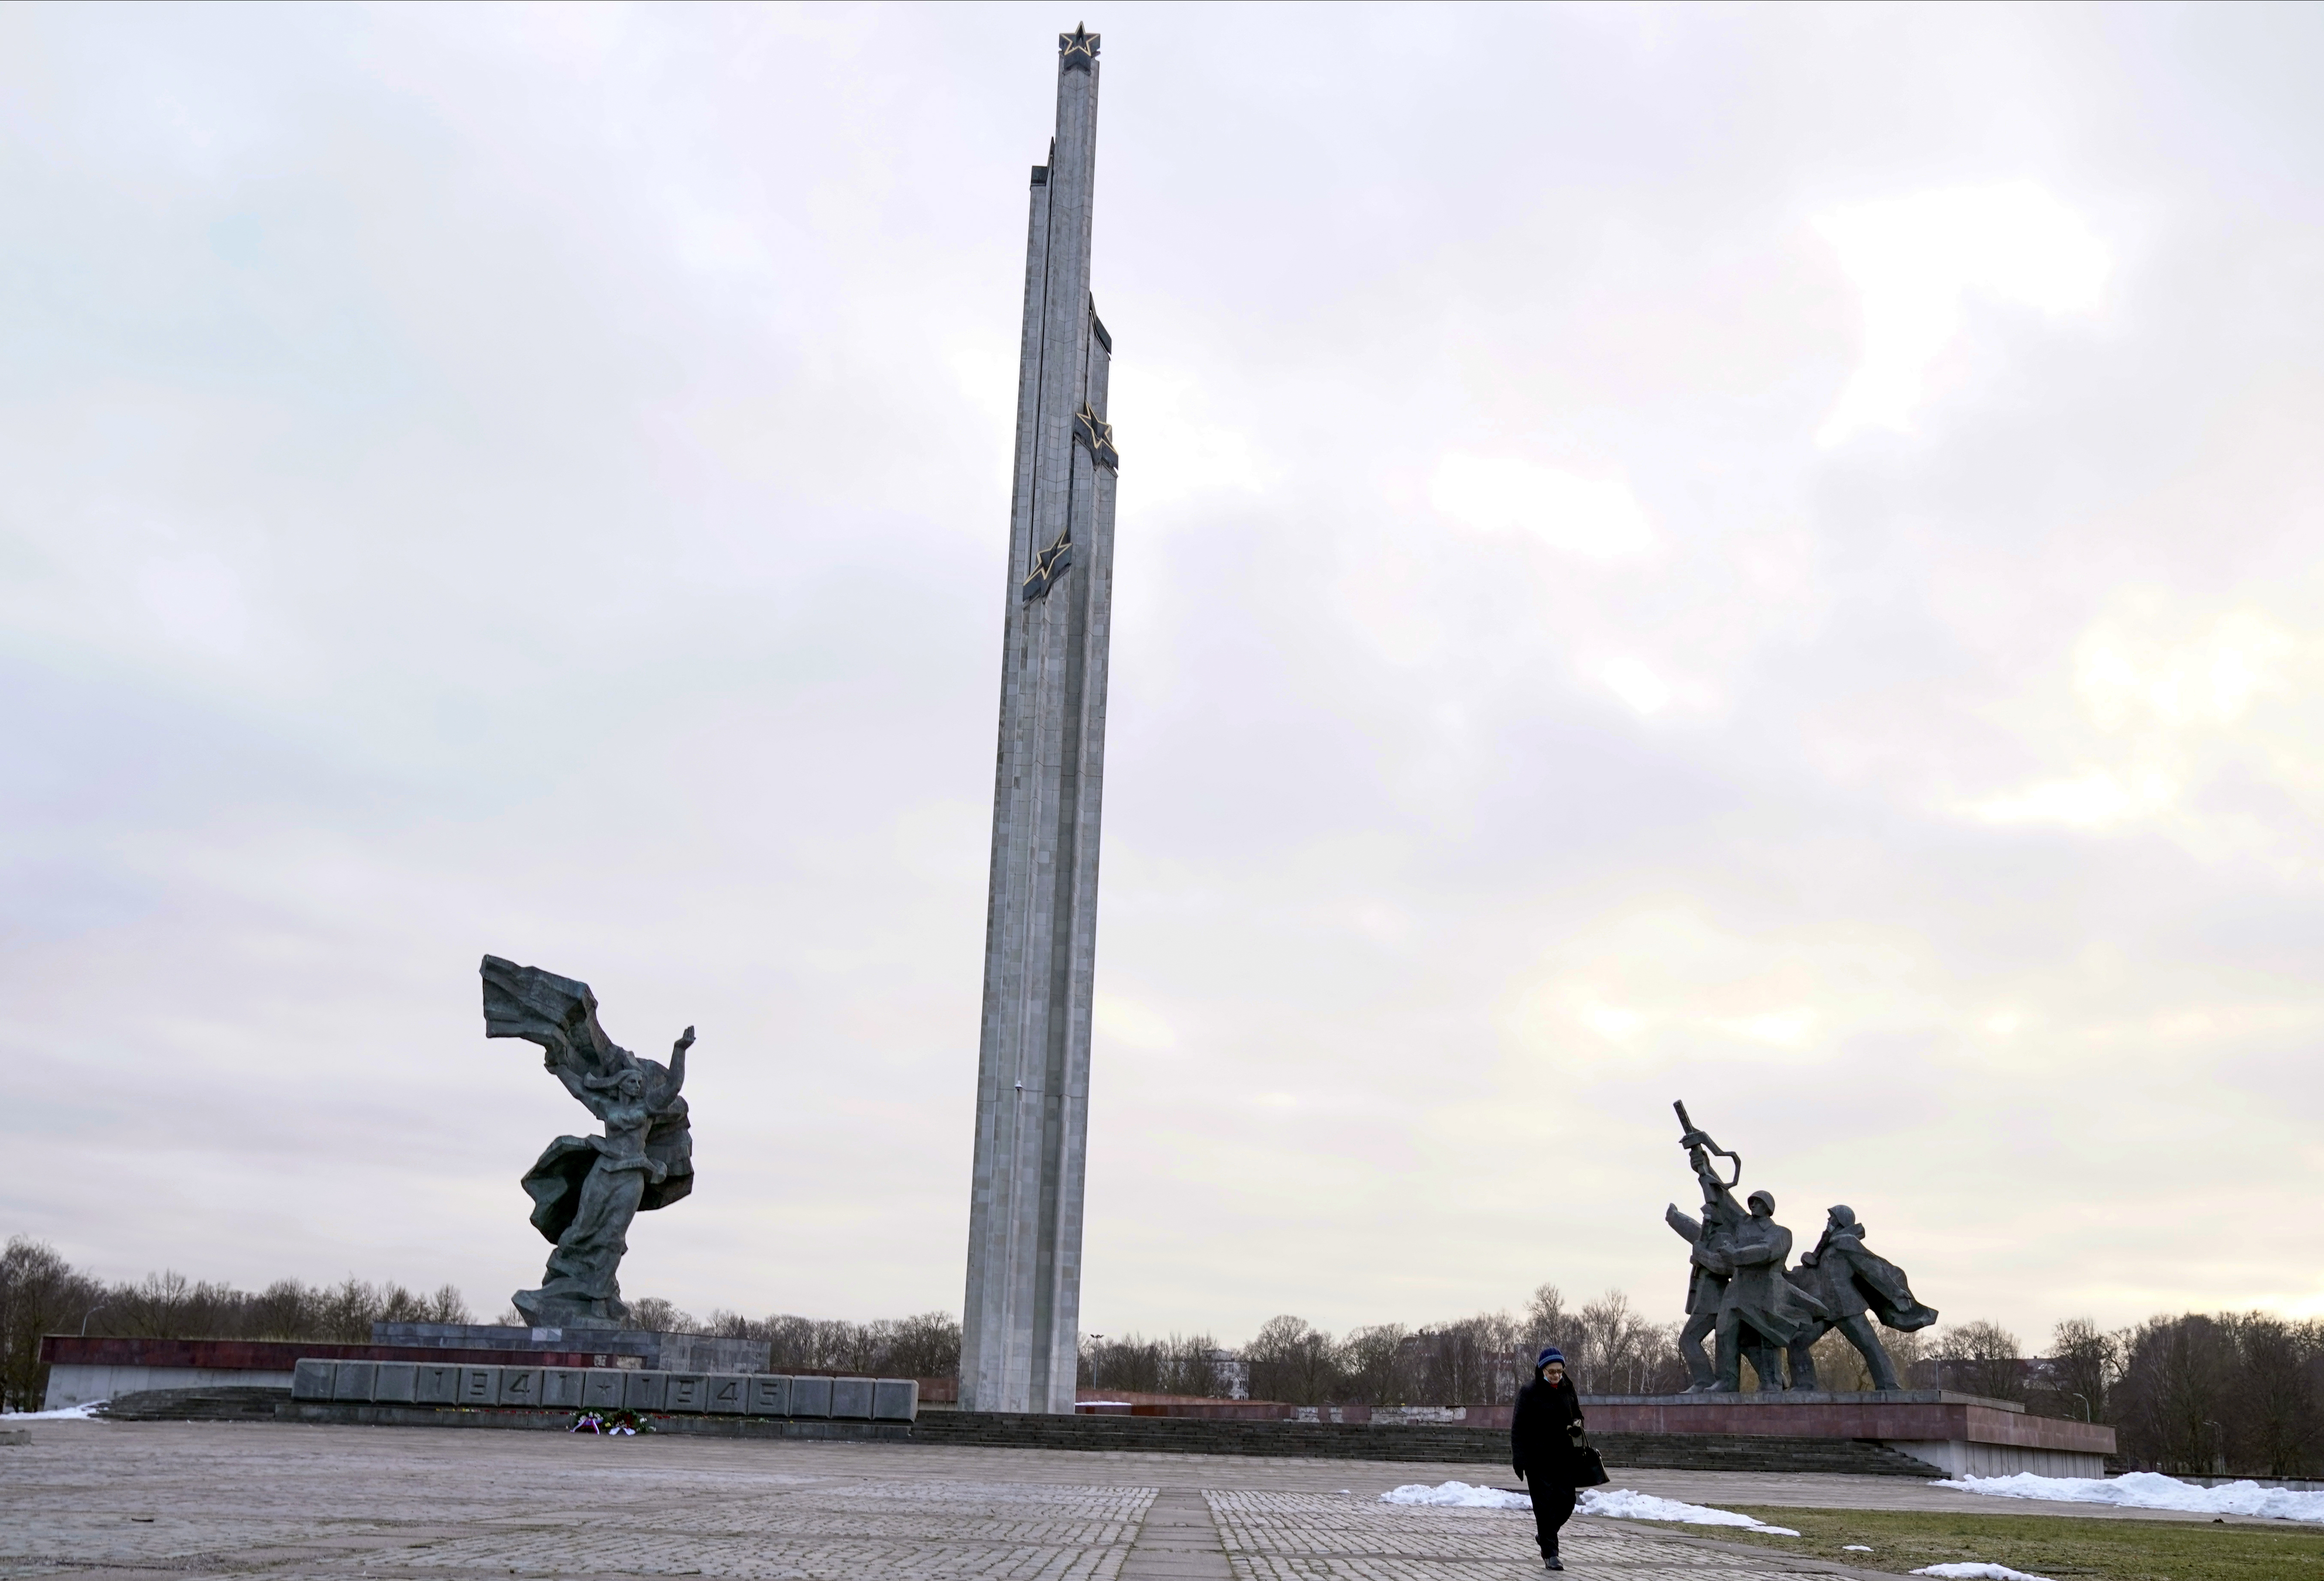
1549, 1560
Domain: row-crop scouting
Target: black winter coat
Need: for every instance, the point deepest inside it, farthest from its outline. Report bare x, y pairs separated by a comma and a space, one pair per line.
1546, 1432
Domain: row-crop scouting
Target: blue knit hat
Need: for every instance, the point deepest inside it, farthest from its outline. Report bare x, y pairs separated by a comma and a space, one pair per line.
1549, 1353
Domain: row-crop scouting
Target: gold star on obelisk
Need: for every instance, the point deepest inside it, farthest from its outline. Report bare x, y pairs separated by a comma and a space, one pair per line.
1049, 566
1095, 432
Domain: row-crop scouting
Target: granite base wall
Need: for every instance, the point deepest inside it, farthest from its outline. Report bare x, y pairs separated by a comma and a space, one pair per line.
80, 1383
673, 1353
1959, 1458
702, 1427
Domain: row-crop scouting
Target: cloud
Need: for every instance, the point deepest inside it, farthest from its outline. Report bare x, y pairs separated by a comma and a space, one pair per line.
2128, 675
1635, 682
2094, 798
2175, 702
1915, 262
1127, 1022
1593, 518
538, 484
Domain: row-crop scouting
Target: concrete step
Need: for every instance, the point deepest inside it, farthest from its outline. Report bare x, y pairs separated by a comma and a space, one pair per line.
212, 1402
1403, 1441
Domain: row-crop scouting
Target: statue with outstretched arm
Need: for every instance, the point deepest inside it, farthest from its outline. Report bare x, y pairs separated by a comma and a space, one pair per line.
1709, 1267
586, 1190
1738, 1292
1711, 1251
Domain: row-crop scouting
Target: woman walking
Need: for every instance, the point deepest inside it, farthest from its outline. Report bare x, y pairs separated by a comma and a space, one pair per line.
1545, 1447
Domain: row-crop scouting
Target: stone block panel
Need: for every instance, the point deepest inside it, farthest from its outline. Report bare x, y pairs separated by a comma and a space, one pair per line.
520, 1387
851, 1398
312, 1380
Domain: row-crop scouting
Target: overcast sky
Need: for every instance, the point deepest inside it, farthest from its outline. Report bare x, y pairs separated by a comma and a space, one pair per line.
1763, 556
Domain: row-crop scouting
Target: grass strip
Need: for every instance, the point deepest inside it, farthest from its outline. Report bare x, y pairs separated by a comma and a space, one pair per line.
2067, 1547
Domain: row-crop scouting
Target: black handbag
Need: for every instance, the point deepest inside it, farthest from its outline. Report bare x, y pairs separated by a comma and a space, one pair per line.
1589, 1470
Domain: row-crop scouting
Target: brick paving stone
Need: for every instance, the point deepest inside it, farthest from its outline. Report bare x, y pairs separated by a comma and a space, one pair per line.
1314, 1537
104, 1500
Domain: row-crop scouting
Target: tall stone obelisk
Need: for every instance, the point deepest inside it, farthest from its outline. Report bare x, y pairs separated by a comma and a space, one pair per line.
1019, 1328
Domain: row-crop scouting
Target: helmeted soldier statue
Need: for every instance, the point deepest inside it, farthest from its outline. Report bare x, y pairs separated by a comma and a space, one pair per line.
1738, 1290
1709, 1262
1850, 1281
1762, 1312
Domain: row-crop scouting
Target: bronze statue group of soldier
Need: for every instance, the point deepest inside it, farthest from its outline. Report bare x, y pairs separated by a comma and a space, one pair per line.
1740, 1292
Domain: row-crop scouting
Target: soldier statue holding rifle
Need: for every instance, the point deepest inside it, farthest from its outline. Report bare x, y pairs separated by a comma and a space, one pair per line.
1739, 1289
1744, 1249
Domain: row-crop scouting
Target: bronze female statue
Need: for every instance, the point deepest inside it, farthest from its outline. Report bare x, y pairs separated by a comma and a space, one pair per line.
586, 1189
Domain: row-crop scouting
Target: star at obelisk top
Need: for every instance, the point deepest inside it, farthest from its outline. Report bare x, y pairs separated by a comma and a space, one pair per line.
1020, 1341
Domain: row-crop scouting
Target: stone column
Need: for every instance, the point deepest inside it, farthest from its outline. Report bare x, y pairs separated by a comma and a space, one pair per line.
1019, 1340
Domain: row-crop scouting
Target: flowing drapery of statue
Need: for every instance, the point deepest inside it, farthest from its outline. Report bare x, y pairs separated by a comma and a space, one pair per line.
586, 1189
1740, 1291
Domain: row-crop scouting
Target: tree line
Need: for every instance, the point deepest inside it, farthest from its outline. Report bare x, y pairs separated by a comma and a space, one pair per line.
927, 1346
1611, 1348
2229, 1392
2224, 1394
41, 1293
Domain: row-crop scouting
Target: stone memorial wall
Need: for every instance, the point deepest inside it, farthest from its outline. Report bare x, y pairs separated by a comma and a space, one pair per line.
454, 1386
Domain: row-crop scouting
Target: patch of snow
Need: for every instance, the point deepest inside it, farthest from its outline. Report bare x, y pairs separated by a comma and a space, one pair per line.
1622, 1504
81, 1412
1615, 1504
1855, 1548
1457, 1495
1980, 1573
2151, 1490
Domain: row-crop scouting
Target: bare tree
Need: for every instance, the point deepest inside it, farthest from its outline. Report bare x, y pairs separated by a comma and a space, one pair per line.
2233, 1391
2083, 1363
1544, 1320
1375, 1368
1292, 1362
1980, 1357
40, 1294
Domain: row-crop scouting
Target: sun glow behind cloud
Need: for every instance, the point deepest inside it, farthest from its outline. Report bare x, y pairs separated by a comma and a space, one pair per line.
1916, 260
2164, 701
1595, 518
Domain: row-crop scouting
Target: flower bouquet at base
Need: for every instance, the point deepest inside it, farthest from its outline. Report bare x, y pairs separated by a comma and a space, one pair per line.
609, 1423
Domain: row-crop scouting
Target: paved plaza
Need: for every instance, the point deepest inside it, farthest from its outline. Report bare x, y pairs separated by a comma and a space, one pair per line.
117, 1499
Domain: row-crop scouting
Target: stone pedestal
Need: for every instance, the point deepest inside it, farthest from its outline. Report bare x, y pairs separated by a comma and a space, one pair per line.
1958, 1434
